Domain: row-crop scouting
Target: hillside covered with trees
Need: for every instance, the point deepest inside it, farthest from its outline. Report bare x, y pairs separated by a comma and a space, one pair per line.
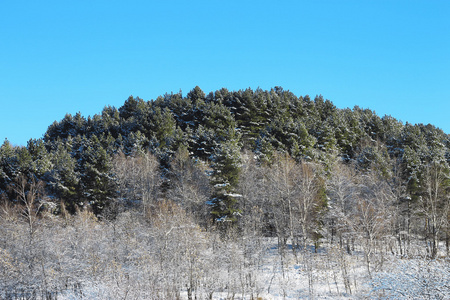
181, 197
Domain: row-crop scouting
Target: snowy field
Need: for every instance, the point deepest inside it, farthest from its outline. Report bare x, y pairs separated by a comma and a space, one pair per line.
331, 274
173, 258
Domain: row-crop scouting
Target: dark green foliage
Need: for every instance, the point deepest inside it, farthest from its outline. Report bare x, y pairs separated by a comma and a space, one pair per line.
162, 126
95, 186
225, 178
9, 165
196, 95
24, 161
64, 181
74, 156
41, 164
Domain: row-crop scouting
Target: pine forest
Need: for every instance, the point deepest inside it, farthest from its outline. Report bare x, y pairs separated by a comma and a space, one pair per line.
249, 194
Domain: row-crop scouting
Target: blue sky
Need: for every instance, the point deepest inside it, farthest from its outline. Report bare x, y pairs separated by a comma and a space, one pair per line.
59, 57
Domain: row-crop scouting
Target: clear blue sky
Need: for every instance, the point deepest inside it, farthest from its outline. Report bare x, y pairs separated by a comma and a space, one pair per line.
59, 57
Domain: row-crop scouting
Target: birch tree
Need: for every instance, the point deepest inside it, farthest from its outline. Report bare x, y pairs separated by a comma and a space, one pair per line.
434, 204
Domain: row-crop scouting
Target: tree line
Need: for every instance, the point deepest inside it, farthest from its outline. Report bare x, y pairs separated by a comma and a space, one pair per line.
262, 163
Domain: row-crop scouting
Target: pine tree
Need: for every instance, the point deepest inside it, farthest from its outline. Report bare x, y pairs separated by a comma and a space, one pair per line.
225, 178
196, 95
96, 186
163, 126
24, 161
63, 180
41, 161
9, 165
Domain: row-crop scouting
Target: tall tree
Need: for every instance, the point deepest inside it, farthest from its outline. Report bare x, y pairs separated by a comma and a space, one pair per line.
434, 204
9, 165
189, 185
225, 178
64, 179
96, 182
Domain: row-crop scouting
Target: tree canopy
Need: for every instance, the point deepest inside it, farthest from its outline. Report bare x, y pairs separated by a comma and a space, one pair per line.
74, 157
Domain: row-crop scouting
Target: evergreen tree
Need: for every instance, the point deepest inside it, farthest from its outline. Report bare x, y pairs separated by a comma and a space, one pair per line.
41, 161
225, 178
24, 161
96, 185
110, 121
64, 181
9, 165
196, 95
163, 126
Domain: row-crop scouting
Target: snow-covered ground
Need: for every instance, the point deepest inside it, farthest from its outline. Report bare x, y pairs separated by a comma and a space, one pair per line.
328, 274
173, 258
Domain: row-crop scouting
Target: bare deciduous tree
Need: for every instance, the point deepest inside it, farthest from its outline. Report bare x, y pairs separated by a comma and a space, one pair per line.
434, 204
138, 179
189, 186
